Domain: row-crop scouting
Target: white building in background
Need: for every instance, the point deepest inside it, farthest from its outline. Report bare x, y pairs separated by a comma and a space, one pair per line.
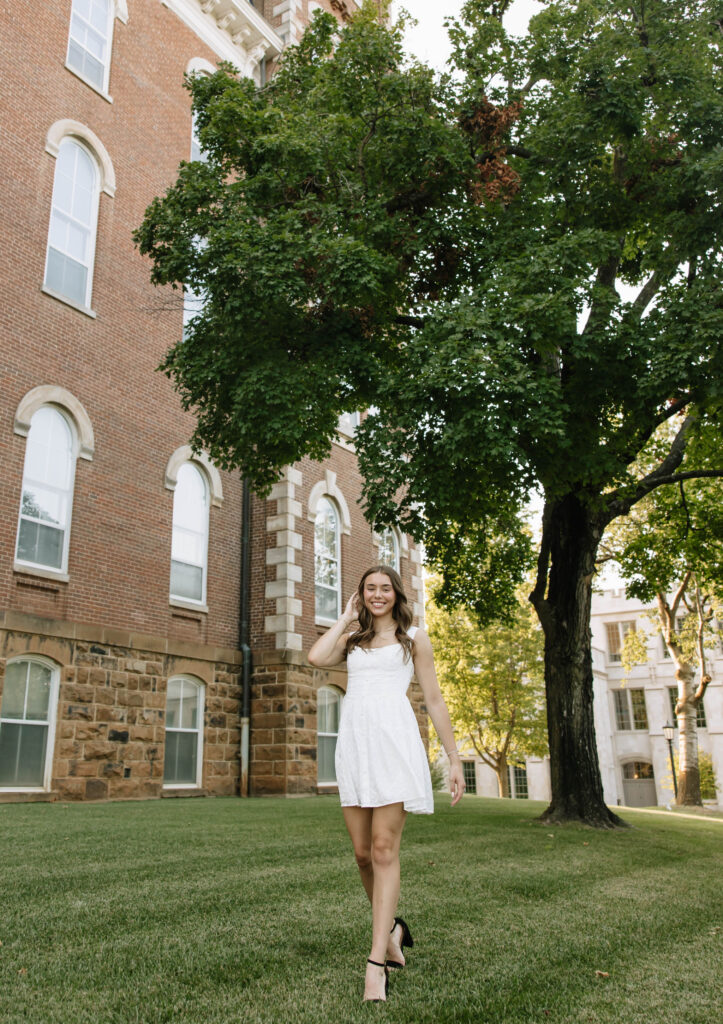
631, 709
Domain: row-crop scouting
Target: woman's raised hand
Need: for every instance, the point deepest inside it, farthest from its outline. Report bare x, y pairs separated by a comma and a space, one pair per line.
352, 607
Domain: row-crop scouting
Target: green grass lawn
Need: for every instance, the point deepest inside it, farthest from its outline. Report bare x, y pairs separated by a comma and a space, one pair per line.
210, 911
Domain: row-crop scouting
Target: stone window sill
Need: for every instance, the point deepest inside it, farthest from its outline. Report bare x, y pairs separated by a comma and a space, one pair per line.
69, 302
45, 574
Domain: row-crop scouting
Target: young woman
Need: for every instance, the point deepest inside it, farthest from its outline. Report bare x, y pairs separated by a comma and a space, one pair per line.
381, 764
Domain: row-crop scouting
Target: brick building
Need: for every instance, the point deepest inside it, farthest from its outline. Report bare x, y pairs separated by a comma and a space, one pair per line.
122, 555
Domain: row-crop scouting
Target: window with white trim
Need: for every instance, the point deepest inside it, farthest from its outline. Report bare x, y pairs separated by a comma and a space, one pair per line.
469, 770
73, 223
327, 568
328, 711
389, 548
27, 719
89, 42
616, 633
47, 492
193, 299
630, 711
183, 760
189, 545
517, 780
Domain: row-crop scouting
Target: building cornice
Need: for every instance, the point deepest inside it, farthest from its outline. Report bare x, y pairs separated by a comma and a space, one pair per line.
233, 29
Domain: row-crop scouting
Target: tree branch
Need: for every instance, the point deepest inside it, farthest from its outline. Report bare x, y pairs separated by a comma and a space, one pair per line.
537, 597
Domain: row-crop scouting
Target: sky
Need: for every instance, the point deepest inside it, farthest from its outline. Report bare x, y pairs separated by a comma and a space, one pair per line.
428, 40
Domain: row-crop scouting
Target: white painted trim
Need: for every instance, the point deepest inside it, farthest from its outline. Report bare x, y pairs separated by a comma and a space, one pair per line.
67, 127
41, 571
68, 302
201, 686
53, 700
112, 15
86, 81
200, 66
186, 454
237, 40
52, 394
328, 488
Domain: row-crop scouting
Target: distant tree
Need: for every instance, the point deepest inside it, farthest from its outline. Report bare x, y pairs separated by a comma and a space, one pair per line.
669, 550
446, 250
492, 678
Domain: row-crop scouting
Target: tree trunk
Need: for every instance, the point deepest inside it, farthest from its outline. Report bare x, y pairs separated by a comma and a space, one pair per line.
687, 713
503, 776
570, 541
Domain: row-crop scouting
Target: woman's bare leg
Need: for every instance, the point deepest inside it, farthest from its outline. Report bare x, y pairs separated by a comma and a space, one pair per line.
358, 822
387, 826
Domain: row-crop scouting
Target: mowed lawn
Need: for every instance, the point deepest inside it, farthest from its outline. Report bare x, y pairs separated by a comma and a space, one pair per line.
207, 911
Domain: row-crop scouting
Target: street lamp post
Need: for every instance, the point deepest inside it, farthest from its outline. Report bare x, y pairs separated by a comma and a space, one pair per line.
668, 731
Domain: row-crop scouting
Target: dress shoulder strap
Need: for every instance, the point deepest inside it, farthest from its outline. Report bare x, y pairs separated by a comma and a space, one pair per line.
412, 631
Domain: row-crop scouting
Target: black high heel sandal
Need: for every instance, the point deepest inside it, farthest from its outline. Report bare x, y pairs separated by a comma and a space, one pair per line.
386, 982
406, 940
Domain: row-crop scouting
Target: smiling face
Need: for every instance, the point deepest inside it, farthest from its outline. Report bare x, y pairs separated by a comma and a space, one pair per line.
379, 595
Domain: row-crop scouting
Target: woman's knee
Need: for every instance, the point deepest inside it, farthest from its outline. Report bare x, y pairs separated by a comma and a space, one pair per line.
363, 856
384, 849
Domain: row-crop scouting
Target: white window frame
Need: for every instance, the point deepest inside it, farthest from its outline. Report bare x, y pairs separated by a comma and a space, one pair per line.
180, 600
201, 697
348, 423
319, 619
84, 306
626, 699
50, 570
51, 722
622, 628
101, 90
512, 781
339, 694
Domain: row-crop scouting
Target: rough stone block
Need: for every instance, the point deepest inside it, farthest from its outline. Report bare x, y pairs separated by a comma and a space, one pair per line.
100, 749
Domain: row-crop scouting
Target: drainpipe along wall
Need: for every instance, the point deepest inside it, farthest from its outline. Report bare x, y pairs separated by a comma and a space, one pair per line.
245, 635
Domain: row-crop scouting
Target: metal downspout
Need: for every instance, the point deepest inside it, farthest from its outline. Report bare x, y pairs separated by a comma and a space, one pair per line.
245, 634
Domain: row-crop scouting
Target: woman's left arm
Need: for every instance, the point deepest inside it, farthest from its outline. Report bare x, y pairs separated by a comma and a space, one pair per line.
426, 674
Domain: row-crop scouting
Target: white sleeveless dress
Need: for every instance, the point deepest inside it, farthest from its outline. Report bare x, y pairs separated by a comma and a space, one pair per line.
380, 757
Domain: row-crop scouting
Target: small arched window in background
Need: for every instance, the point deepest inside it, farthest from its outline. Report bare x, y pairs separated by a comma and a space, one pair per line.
389, 548
184, 734
327, 570
328, 713
26, 714
189, 545
73, 221
47, 492
91, 25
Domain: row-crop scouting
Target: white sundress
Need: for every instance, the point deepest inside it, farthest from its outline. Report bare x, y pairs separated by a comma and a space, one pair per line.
380, 757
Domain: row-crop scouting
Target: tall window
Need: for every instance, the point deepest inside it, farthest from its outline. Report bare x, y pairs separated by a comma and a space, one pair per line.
73, 219
193, 300
517, 777
630, 710
328, 711
91, 25
700, 719
26, 715
389, 548
184, 735
45, 508
327, 575
189, 546
616, 633
470, 776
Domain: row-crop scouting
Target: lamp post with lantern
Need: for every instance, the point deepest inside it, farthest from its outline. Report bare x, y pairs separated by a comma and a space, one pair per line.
668, 731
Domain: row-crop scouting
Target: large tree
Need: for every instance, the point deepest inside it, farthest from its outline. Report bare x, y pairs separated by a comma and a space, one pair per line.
492, 679
446, 251
669, 550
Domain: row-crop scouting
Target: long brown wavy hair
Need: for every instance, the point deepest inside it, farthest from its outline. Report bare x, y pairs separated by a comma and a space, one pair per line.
402, 614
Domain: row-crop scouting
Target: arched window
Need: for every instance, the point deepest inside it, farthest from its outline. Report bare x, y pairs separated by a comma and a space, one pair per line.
189, 545
89, 42
47, 493
183, 761
328, 712
327, 570
27, 718
389, 548
73, 221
